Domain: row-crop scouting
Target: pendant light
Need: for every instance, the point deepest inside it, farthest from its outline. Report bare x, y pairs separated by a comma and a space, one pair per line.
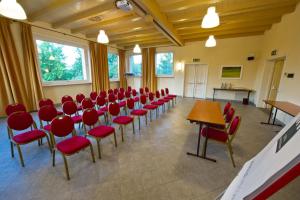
211, 41
12, 9
102, 37
136, 49
211, 19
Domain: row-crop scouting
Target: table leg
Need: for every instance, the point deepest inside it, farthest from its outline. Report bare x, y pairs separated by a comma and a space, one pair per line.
205, 148
270, 116
214, 95
275, 116
198, 146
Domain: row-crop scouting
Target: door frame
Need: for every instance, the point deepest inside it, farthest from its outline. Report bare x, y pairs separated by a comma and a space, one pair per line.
206, 77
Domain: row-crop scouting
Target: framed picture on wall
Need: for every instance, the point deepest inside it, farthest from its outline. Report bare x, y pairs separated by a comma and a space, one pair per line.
231, 71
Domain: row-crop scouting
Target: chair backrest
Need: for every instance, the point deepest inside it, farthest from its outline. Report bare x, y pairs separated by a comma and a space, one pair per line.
234, 125
103, 94
100, 101
130, 103
19, 120
226, 108
162, 91
122, 90
45, 102
87, 103
47, 113
127, 94
114, 109
167, 90
229, 115
143, 99
90, 117
157, 94
116, 91
151, 96
69, 107
141, 91
134, 93
147, 90
110, 91
112, 97
66, 98
16, 107
129, 88
79, 97
62, 126
93, 95
120, 96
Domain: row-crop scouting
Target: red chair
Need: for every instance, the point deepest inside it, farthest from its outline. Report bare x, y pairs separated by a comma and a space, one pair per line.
229, 116
103, 94
157, 103
141, 91
70, 109
223, 136
127, 94
20, 121
111, 98
147, 90
90, 119
47, 114
48, 102
136, 112
87, 103
129, 88
110, 91
158, 99
62, 127
116, 91
122, 90
102, 107
93, 96
16, 107
66, 98
135, 97
226, 108
150, 107
174, 96
79, 98
114, 111
165, 98
122, 103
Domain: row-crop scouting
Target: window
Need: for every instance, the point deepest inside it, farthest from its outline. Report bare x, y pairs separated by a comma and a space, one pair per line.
135, 63
113, 66
61, 63
164, 64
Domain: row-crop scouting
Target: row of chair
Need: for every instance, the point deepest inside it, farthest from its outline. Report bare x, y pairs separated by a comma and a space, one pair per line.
61, 123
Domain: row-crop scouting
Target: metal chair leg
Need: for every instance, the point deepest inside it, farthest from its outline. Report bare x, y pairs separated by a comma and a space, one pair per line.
12, 149
66, 166
133, 129
146, 119
49, 144
92, 152
99, 150
115, 138
53, 157
150, 113
122, 133
230, 153
21, 156
139, 122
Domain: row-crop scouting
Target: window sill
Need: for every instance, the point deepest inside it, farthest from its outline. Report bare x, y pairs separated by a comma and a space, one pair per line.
66, 83
114, 80
171, 76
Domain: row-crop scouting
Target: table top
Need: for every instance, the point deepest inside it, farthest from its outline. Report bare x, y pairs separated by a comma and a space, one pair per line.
235, 89
207, 112
285, 106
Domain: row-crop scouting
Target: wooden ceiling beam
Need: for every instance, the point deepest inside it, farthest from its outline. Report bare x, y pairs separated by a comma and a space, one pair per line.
97, 10
158, 44
135, 35
129, 18
57, 4
129, 43
137, 40
159, 19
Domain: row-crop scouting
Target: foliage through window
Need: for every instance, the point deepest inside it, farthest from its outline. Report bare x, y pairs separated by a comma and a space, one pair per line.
113, 66
60, 62
164, 64
135, 63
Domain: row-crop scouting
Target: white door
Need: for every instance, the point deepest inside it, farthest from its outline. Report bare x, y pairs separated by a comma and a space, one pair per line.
195, 80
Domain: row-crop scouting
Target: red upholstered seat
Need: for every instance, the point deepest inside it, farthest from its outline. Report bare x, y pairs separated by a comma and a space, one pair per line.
29, 136
104, 109
123, 120
150, 107
172, 95
168, 97
136, 99
122, 103
79, 107
47, 127
139, 112
100, 112
76, 119
101, 131
157, 103
214, 134
60, 112
73, 144
164, 100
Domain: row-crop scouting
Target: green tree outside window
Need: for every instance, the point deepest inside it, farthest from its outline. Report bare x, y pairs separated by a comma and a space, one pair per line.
113, 66
164, 64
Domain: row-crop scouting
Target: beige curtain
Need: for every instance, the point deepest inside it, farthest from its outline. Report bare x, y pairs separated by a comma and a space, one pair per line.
32, 75
99, 65
145, 67
12, 84
122, 67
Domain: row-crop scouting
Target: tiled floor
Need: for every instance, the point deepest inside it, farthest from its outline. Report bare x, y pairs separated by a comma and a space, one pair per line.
149, 165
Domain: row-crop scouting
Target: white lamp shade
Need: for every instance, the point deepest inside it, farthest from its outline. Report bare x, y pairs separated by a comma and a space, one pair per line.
136, 49
12, 9
211, 19
102, 37
211, 41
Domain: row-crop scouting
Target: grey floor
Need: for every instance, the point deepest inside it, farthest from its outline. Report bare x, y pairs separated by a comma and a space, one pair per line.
152, 164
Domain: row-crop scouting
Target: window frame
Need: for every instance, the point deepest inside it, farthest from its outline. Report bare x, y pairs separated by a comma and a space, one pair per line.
164, 76
86, 69
133, 54
114, 79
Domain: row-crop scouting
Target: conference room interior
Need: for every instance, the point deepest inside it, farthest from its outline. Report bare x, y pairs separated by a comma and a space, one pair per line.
148, 99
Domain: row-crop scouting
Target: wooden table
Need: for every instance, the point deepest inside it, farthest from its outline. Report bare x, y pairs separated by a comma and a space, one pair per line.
233, 90
205, 113
284, 106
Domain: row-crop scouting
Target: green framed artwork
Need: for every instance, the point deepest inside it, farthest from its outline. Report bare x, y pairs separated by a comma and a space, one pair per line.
232, 72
